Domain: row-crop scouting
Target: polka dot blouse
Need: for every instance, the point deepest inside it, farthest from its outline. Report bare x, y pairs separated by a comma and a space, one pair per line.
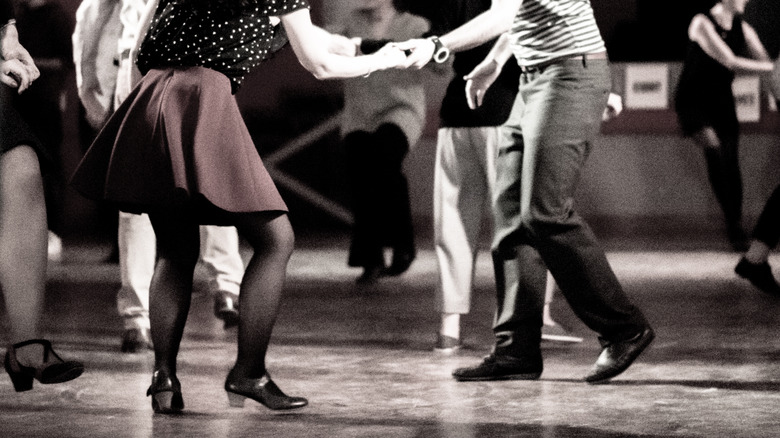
228, 41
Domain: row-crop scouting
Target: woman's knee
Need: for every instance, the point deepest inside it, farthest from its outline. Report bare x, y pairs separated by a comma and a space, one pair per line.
21, 174
269, 235
177, 238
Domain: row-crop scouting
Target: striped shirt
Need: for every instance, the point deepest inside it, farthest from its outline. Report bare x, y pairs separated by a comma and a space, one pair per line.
544, 30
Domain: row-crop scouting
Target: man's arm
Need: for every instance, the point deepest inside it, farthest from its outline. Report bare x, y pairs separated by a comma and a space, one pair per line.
482, 28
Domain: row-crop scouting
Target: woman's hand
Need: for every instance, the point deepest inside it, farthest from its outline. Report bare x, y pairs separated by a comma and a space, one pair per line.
14, 74
479, 80
11, 49
390, 56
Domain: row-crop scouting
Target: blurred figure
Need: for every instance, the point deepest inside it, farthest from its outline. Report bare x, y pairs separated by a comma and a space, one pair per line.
23, 223
722, 44
384, 115
177, 148
44, 29
764, 16
105, 33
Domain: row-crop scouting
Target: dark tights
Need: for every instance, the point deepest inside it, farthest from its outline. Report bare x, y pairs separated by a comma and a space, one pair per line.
272, 240
722, 156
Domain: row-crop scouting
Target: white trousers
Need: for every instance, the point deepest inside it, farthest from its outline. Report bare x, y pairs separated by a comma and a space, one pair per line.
219, 253
464, 176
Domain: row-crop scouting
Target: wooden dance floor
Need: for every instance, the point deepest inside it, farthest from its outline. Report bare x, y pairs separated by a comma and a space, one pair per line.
364, 359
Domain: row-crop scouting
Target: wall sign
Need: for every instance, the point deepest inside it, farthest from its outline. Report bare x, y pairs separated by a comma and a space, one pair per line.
747, 96
647, 86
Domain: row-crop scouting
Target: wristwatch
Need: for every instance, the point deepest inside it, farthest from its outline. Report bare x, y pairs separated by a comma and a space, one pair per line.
440, 53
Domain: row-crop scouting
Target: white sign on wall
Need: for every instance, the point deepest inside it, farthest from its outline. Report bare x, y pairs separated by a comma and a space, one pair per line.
647, 86
747, 96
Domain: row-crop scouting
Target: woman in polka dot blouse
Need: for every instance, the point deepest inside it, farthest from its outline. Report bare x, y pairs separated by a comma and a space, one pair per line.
178, 149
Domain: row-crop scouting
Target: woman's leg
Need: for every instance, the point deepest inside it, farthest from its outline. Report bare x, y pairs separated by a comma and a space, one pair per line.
721, 155
23, 240
754, 265
170, 293
272, 240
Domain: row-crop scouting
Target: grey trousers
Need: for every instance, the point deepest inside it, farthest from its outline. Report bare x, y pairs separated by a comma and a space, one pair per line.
542, 151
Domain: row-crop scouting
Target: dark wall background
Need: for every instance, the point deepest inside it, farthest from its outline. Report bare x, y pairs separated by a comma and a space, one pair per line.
642, 167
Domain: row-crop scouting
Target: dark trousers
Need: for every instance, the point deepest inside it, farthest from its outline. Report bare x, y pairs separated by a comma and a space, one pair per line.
767, 228
380, 202
542, 151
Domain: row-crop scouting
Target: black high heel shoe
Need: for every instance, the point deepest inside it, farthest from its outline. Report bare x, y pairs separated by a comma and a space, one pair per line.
52, 368
166, 393
262, 390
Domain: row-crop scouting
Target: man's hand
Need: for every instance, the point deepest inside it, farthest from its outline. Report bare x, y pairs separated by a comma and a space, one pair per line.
391, 56
479, 80
420, 52
614, 107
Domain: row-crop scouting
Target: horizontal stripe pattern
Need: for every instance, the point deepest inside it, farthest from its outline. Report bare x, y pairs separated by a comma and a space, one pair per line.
544, 30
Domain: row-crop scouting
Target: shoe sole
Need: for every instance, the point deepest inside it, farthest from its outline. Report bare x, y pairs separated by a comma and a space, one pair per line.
65, 377
522, 376
617, 371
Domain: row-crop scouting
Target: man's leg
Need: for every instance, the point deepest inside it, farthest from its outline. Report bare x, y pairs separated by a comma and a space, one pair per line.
137, 252
559, 125
520, 273
365, 248
219, 252
395, 226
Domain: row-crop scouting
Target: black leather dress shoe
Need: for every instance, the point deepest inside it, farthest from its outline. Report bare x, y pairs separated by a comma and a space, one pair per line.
616, 357
262, 390
759, 274
500, 368
166, 393
226, 308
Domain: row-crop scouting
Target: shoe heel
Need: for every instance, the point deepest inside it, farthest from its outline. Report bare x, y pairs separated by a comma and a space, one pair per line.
236, 400
166, 402
22, 382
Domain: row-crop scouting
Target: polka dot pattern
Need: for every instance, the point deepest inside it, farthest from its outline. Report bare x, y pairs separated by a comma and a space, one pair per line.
228, 41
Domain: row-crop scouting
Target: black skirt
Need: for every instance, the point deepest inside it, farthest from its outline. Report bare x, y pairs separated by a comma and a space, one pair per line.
13, 130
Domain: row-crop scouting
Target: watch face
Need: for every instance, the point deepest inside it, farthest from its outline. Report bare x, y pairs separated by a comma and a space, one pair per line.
441, 55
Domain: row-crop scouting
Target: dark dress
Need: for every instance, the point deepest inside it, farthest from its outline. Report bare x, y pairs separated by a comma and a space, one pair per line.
13, 130
704, 96
179, 139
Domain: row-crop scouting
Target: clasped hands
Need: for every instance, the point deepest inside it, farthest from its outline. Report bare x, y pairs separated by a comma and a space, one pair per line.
17, 69
413, 53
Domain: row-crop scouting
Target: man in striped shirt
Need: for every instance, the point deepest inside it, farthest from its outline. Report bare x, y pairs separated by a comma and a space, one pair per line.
563, 91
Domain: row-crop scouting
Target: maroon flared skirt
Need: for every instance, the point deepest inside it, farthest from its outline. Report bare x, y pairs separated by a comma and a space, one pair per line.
178, 140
